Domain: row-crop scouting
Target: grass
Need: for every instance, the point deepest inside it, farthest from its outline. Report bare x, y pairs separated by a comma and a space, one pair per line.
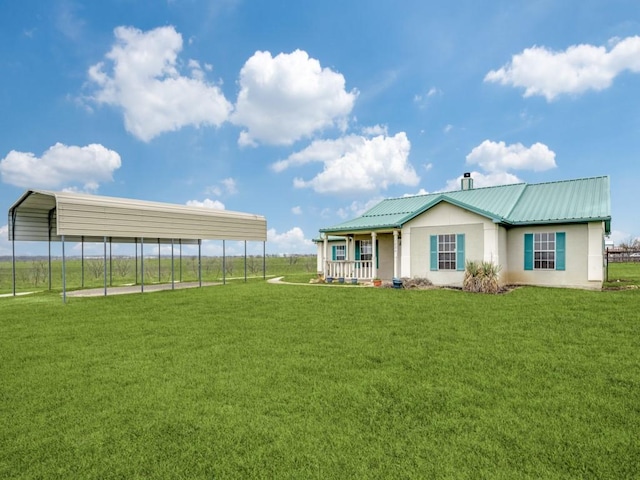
623, 275
283, 381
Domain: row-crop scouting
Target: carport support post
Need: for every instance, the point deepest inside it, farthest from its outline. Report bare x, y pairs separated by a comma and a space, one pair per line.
135, 242
82, 260
13, 259
142, 264
224, 265
64, 275
245, 261
173, 283
264, 260
180, 260
158, 260
199, 262
49, 259
110, 263
105, 266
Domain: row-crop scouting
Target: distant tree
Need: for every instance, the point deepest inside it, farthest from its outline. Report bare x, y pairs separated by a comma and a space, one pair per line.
630, 244
95, 267
39, 270
192, 264
254, 265
122, 266
229, 266
310, 263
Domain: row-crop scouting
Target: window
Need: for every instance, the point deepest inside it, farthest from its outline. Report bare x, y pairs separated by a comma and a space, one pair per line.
366, 252
340, 252
544, 251
447, 252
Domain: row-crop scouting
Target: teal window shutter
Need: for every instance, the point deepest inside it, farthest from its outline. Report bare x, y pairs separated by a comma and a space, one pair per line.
377, 255
357, 249
528, 251
460, 252
561, 242
434, 252
333, 253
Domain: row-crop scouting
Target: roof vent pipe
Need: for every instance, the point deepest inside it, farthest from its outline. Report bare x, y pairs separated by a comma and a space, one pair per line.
467, 182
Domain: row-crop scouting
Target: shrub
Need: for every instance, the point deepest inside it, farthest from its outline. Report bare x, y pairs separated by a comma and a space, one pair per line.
417, 283
481, 277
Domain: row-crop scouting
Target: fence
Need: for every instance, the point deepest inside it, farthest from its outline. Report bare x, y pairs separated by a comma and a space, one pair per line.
619, 255
34, 273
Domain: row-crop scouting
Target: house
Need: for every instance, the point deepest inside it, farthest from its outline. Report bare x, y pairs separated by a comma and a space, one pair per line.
549, 234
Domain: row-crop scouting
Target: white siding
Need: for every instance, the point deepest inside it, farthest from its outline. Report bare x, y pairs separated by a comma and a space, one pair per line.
445, 218
577, 247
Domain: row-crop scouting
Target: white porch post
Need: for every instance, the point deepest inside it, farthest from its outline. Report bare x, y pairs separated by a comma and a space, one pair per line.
325, 247
396, 273
374, 256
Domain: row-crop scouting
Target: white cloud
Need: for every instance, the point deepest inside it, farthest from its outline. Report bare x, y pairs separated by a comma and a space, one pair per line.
144, 81
422, 99
297, 210
356, 208
292, 241
226, 186
481, 180
59, 166
230, 185
355, 164
375, 130
499, 157
579, 68
447, 128
207, 203
422, 191
288, 97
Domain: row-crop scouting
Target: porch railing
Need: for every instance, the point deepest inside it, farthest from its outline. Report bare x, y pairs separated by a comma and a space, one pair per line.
362, 269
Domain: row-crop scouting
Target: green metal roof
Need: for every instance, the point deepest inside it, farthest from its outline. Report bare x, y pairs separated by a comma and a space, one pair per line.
569, 201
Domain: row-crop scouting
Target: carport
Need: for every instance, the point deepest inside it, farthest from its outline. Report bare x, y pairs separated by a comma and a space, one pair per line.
48, 216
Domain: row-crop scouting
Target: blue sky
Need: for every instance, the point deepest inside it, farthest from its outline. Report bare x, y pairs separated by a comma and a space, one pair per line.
310, 112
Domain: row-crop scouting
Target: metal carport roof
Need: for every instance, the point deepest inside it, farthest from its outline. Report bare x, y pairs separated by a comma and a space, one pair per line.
41, 215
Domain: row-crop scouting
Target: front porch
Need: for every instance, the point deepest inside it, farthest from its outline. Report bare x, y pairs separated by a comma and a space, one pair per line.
360, 255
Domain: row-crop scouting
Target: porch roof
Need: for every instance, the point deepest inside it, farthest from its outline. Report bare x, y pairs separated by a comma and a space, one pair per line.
570, 201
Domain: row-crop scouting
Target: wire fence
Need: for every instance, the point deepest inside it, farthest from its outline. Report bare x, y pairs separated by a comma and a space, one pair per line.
36, 273
620, 255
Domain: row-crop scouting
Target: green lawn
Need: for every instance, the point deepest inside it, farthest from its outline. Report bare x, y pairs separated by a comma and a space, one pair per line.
623, 274
288, 381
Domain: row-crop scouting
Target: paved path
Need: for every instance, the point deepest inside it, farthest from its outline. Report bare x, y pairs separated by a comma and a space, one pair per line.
97, 292
17, 294
335, 284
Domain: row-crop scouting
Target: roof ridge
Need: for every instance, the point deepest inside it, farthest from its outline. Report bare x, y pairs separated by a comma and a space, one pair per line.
515, 204
569, 180
504, 185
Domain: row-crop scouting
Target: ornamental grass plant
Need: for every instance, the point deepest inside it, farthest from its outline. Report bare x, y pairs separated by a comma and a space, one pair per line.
481, 277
